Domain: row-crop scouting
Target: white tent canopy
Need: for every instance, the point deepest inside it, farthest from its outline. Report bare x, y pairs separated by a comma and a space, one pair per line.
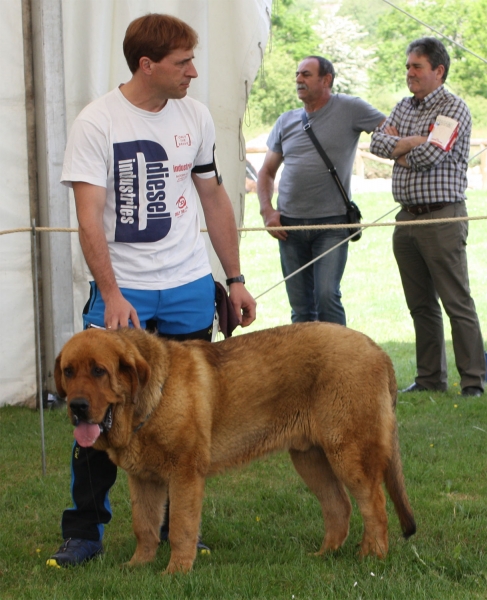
71, 53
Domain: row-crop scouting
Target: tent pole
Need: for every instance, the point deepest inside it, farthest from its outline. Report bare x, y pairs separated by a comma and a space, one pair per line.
38, 346
55, 262
33, 201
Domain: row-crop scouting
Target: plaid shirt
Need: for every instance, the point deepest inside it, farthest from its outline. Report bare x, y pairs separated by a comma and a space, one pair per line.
434, 175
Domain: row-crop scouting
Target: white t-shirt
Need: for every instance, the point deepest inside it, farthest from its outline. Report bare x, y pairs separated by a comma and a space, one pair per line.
144, 161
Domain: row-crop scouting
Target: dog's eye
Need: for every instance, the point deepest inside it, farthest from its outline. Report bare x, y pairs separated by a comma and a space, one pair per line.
68, 372
98, 371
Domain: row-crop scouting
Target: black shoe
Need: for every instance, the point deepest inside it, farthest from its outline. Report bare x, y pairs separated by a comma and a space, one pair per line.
414, 387
471, 390
200, 547
75, 552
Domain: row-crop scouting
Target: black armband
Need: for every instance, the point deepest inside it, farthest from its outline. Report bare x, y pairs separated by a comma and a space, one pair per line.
211, 167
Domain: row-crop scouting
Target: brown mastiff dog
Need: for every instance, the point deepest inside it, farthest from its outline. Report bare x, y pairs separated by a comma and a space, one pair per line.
173, 413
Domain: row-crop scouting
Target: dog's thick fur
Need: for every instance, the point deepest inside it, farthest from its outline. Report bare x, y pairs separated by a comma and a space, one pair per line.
183, 411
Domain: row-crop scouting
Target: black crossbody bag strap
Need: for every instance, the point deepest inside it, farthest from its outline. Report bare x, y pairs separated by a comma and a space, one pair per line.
324, 156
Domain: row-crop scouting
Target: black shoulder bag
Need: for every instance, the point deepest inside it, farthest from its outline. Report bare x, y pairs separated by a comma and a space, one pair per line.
353, 212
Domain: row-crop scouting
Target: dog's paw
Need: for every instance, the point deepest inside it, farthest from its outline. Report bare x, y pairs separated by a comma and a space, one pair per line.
180, 566
137, 561
371, 547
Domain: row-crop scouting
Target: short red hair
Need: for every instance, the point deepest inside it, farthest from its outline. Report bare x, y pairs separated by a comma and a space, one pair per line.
155, 36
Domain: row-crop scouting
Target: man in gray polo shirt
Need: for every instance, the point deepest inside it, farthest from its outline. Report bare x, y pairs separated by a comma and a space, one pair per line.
308, 194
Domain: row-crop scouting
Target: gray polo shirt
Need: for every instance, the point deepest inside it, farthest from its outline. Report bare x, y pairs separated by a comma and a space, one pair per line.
306, 189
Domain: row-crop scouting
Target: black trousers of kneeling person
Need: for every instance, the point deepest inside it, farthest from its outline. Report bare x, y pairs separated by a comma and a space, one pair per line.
93, 474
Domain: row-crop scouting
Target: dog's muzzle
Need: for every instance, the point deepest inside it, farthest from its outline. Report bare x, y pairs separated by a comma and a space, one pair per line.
80, 408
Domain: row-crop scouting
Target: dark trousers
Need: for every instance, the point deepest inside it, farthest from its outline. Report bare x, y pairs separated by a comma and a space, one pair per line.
432, 261
93, 474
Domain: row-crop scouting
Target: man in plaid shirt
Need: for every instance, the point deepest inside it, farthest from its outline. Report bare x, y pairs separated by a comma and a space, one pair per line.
430, 183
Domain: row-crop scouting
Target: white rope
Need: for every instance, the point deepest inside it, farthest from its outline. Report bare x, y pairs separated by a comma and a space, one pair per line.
290, 227
320, 256
362, 226
478, 154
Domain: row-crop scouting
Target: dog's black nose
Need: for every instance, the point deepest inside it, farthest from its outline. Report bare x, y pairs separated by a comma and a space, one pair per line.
80, 407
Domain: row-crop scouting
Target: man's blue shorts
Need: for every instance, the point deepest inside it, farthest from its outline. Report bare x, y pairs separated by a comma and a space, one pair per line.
180, 310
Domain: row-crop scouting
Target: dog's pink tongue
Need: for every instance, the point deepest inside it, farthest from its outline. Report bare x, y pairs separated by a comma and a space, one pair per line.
86, 434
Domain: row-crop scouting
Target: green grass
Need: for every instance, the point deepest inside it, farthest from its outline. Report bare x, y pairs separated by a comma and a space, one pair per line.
261, 522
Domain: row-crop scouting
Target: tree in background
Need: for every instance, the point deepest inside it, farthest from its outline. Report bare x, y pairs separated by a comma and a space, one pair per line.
365, 13
391, 31
342, 42
292, 38
472, 75
461, 20
367, 40
301, 28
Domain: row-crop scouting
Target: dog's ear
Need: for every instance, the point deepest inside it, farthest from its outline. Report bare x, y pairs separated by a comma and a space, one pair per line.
58, 377
138, 371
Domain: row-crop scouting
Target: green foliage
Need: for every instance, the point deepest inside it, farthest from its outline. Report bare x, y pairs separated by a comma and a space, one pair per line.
473, 73
342, 42
367, 42
274, 92
365, 13
292, 28
395, 31
385, 97
461, 20
478, 109
293, 38
301, 28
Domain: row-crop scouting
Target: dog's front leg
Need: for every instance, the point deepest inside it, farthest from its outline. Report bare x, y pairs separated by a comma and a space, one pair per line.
148, 502
186, 501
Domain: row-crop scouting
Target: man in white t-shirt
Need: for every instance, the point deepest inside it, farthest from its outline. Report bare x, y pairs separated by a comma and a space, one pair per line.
137, 159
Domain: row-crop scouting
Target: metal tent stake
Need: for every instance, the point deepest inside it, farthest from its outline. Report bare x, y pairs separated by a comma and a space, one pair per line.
38, 346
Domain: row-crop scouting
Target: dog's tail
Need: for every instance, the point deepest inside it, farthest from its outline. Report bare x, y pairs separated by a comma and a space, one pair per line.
394, 477
395, 485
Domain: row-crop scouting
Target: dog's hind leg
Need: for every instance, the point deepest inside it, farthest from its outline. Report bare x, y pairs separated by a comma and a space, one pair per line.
148, 501
371, 501
362, 472
314, 468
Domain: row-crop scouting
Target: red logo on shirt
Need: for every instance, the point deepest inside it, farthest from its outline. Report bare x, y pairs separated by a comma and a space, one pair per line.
181, 202
182, 140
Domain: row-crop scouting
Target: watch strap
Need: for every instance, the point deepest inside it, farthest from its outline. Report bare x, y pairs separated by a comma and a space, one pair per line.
239, 279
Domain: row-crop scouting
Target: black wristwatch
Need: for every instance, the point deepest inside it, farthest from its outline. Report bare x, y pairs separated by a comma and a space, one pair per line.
239, 279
